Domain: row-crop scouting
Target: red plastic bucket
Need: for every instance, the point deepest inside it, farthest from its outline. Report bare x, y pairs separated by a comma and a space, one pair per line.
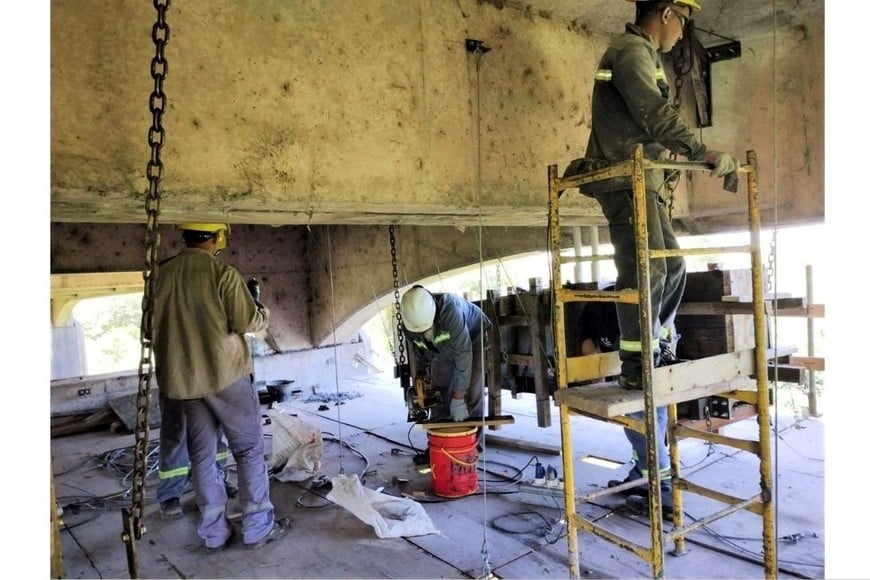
453, 459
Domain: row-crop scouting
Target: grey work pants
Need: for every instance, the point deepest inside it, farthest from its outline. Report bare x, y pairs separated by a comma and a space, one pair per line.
667, 275
236, 409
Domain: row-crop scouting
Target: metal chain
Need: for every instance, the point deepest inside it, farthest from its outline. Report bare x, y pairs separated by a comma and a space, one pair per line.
156, 139
400, 338
681, 56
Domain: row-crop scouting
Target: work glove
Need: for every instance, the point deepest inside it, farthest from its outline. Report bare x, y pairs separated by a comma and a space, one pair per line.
723, 163
458, 410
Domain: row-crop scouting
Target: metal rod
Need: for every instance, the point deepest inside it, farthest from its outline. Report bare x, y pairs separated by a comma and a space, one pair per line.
765, 467
641, 235
577, 235
593, 241
562, 371
812, 402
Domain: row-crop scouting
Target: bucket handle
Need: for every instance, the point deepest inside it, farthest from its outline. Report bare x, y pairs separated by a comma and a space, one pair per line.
457, 460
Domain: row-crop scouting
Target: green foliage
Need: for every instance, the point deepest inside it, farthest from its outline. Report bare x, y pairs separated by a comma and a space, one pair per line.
111, 327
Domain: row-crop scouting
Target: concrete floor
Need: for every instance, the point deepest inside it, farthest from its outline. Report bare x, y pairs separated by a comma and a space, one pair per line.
491, 529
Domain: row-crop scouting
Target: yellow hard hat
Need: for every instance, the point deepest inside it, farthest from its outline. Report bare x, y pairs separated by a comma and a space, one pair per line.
691, 4
220, 229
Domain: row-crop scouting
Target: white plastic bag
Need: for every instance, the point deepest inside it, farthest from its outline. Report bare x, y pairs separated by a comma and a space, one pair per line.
391, 517
297, 448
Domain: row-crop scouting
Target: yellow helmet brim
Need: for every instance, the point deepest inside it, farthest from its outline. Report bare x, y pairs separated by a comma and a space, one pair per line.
692, 4
221, 230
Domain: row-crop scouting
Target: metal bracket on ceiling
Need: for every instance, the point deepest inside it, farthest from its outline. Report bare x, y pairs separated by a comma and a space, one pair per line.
725, 51
472, 45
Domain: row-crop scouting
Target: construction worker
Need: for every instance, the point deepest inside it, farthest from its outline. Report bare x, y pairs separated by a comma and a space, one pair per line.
447, 332
599, 333
202, 310
174, 470
631, 106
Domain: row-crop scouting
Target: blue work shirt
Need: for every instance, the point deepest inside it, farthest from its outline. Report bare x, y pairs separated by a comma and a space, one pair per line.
458, 325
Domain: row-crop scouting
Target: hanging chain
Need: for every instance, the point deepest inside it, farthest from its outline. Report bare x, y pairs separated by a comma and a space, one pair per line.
400, 335
682, 63
156, 138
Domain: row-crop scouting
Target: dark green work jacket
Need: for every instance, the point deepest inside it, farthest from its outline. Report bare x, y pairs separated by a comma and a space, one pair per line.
630, 105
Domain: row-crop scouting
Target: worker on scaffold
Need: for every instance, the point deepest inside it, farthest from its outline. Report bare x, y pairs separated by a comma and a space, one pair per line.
630, 106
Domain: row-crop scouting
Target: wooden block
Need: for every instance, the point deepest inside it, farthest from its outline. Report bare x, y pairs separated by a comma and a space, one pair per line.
813, 363
786, 374
592, 367
711, 286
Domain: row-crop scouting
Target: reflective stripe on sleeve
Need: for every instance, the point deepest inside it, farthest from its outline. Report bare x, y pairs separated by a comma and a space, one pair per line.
606, 75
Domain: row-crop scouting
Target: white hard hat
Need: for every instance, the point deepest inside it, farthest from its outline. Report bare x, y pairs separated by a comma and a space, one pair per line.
418, 309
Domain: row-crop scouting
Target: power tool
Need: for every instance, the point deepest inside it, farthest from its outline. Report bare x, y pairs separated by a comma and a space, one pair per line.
421, 397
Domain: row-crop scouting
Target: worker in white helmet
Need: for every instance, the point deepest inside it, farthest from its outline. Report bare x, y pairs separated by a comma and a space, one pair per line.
447, 332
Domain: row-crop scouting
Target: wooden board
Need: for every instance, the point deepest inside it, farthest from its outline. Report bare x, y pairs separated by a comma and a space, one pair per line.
470, 422
672, 384
500, 440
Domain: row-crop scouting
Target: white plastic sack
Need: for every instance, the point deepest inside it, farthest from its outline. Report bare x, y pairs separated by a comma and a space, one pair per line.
391, 517
297, 448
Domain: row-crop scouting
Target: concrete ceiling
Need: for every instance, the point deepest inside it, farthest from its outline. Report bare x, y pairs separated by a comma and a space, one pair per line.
306, 113
739, 19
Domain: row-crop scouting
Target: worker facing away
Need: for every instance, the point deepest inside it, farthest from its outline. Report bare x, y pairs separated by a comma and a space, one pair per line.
631, 106
202, 310
446, 334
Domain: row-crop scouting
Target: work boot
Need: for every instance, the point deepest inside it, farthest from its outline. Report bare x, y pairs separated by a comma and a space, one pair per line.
633, 475
667, 356
171, 509
279, 530
639, 504
630, 382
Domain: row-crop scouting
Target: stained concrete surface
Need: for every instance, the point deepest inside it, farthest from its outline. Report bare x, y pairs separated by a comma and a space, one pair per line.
491, 529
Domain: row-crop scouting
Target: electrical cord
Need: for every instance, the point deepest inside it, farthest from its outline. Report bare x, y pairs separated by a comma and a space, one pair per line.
513, 479
323, 482
119, 463
545, 531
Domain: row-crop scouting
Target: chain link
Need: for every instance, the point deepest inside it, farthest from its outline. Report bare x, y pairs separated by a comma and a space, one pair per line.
154, 171
400, 338
682, 55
